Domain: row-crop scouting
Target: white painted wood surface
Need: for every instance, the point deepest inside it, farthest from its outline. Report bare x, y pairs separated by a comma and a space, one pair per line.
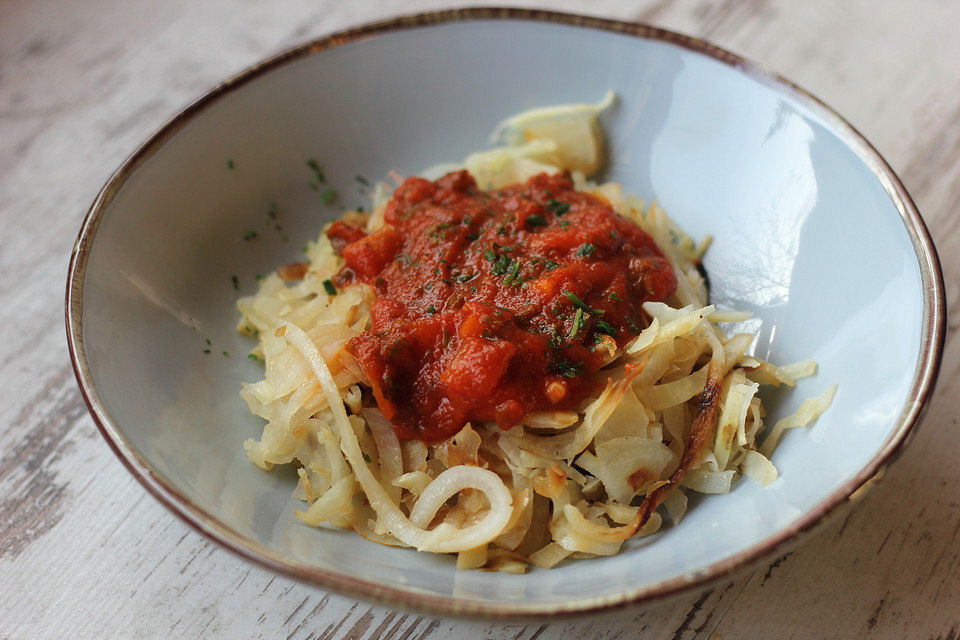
85, 552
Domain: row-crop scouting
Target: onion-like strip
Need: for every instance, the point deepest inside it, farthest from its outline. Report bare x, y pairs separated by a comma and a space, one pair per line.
388, 451
701, 432
444, 538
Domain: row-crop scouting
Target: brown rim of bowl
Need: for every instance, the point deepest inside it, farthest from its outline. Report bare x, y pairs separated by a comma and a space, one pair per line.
934, 314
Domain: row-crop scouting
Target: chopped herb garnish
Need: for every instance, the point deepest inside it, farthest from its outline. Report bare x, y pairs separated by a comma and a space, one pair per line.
230, 165
208, 341
402, 257
606, 328
329, 196
431, 310
581, 304
556, 340
225, 354
466, 277
569, 369
536, 220
472, 236
317, 170
577, 323
253, 356
558, 208
250, 235
489, 255
564, 224
367, 458
513, 272
359, 178
329, 288
272, 211
501, 266
586, 250
633, 326
206, 350
236, 285
428, 286
613, 296
550, 264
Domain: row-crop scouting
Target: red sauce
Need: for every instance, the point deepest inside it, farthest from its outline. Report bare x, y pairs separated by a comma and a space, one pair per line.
492, 305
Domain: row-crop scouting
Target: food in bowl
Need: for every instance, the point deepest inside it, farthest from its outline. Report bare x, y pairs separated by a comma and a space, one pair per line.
508, 362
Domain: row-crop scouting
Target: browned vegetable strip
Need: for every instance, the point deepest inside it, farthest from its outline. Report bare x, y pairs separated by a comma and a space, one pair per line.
701, 432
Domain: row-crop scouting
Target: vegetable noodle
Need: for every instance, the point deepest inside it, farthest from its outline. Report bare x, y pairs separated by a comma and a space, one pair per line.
677, 410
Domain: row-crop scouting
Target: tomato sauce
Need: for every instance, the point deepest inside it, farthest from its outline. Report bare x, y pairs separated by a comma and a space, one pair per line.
493, 305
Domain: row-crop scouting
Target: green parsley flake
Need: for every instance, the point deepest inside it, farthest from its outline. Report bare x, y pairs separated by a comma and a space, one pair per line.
431, 310
558, 208
249, 235
236, 285
329, 288
536, 220
606, 328
359, 178
230, 165
569, 369
577, 323
586, 250
501, 266
513, 272
581, 304
317, 170
329, 196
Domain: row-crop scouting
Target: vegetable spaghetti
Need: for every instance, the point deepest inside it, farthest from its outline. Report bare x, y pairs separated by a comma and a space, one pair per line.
508, 362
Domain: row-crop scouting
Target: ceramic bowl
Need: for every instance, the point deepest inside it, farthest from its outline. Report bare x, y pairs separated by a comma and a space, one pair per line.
813, 233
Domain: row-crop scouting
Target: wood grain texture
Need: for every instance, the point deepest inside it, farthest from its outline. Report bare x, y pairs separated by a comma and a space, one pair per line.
84, 552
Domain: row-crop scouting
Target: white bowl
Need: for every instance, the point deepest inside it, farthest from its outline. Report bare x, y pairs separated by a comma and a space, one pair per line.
812, 232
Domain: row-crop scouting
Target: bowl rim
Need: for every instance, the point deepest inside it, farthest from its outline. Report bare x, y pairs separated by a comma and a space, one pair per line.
924, 377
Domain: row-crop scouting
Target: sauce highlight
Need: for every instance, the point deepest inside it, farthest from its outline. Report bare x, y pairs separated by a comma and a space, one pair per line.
493, 305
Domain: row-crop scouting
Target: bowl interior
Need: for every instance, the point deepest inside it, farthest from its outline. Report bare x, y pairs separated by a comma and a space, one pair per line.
805, 236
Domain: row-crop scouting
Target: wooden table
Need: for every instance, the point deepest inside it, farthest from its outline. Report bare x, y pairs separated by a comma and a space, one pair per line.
85, 552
